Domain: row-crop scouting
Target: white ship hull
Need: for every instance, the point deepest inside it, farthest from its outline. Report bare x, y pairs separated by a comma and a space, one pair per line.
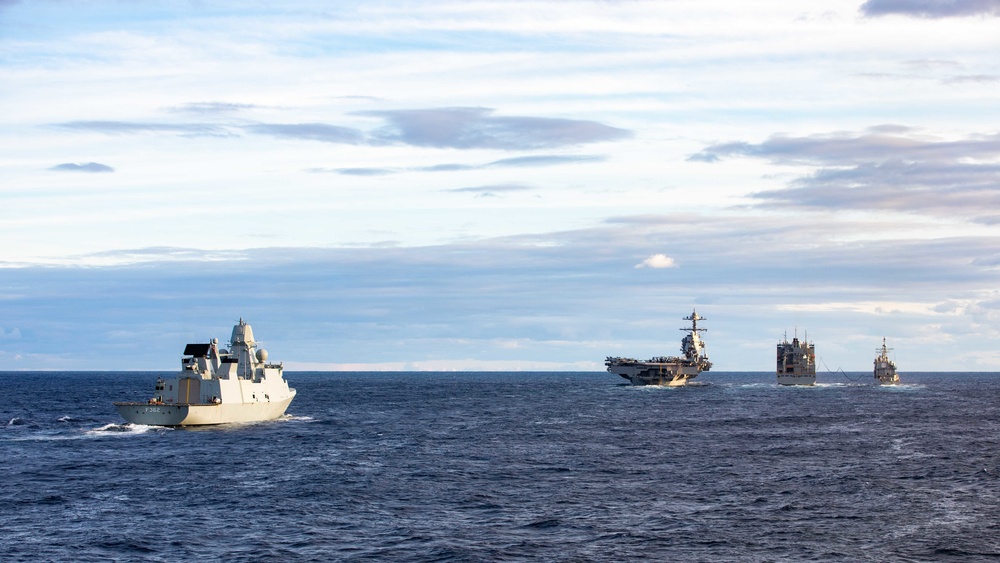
800, 379
202, 413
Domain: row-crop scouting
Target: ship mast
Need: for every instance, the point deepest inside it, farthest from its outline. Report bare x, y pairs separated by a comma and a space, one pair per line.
694, 318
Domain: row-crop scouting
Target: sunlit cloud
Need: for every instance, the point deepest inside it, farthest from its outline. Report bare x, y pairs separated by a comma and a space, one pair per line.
657, 262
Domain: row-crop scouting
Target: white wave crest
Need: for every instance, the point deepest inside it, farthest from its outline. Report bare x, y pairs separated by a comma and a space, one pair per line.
127, 428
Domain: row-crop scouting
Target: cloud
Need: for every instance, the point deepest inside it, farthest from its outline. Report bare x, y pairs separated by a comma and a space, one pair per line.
477, 128
931, 8
87, 167
657, 262
357, 171
129, 127
456, 128
13, 334
491, 191
516, 162
310, 131
973, 78
888, 168
211, 107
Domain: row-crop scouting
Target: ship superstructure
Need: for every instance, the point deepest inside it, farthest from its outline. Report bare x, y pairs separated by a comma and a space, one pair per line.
885, 369
216, 386
667, 370
796, 362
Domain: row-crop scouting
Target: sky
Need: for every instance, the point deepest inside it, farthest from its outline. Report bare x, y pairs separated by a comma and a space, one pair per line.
480, 185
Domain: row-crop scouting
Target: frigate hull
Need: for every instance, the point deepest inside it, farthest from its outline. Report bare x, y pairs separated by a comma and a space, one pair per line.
203, 413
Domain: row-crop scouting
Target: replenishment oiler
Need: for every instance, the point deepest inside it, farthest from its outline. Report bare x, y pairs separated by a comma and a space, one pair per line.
796, 362
217, 387
671, 370
885, 369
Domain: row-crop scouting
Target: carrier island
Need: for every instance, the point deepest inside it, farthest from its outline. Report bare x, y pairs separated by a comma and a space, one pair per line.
667, 370
216, 387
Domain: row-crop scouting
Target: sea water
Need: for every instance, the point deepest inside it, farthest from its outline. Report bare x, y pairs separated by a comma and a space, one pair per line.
509, 467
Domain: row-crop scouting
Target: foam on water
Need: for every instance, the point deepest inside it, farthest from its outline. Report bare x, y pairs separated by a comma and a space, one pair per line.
127, 428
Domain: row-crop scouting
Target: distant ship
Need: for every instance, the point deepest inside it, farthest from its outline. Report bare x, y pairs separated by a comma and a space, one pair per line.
217, 387
885, 369
671, 370
796, 362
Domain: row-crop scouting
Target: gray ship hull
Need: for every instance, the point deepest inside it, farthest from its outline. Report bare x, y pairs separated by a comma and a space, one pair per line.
647, 373
797, 379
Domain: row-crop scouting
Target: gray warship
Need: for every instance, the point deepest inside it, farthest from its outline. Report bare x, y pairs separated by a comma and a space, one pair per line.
796, 362
216, 387
885, 369
667, 370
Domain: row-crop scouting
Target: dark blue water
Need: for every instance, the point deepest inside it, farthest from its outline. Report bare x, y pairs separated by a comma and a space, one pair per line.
506, 467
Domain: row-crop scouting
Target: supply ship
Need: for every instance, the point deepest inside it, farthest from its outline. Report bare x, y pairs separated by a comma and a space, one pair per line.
667, 370
796, 362
216, 387
885, 369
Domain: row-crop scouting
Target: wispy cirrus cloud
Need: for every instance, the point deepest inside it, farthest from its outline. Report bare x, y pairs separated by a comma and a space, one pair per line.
931, 8
516, 162
134, 127
357, 171
86, 167
544, 160
211, 108
490, 191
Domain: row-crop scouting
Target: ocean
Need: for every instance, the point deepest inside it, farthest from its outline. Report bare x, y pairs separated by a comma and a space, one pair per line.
509, 467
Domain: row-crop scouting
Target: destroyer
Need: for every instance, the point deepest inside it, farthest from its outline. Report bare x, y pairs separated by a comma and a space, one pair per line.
672, 370
216, 387
796, 362
885, 369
